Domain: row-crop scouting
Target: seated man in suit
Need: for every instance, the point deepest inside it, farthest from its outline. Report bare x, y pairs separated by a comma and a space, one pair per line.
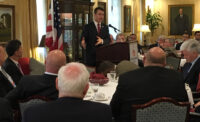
72, 84
191, 69
142, 85
43, 85
159, 43
120, 37
6, 82
11, 65
197, 35
6, 114
186, 36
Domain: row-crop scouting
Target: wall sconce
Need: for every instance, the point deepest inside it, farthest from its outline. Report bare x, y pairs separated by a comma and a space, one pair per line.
196, 27
145, 29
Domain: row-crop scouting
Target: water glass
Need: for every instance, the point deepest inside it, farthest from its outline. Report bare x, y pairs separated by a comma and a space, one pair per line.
95, 87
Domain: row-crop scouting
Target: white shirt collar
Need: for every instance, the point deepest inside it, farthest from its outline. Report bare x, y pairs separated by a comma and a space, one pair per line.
49, 73
16, 62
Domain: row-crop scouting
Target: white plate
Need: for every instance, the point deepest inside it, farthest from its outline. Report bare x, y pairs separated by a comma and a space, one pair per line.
88, 98
101, 99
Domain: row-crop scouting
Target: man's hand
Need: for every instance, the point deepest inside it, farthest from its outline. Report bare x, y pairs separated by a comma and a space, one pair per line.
197, 104
83, 43
99, 41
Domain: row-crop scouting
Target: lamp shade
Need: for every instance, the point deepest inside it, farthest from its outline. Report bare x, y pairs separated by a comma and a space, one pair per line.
196, 27
144, 28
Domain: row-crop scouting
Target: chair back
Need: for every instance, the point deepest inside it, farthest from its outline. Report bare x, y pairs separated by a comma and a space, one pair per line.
31, 101
161, 110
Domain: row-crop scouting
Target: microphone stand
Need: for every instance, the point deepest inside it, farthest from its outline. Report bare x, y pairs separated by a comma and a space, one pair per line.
115, 29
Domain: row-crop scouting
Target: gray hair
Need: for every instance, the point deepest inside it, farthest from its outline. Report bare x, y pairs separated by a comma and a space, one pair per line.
162, 37
72, 78
120, 34
171, 40
191, 45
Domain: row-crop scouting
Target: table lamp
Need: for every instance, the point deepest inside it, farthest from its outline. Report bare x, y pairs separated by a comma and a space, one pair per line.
145, 29
196, 27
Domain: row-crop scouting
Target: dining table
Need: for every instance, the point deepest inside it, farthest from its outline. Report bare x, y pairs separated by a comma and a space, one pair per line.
107, 89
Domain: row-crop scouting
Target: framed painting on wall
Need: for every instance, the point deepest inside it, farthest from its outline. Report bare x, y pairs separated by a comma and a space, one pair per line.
181, 19
127, 18
7, 26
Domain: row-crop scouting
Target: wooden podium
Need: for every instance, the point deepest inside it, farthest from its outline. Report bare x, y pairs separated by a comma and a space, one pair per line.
117, 52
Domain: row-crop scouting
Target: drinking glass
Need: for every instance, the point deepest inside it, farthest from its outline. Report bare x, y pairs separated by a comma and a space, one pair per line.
95, 87
112, 76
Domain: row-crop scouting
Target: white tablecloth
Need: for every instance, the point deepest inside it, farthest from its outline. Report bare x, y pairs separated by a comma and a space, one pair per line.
108, 89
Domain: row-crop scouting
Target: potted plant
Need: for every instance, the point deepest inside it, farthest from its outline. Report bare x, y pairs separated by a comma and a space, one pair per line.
154, 20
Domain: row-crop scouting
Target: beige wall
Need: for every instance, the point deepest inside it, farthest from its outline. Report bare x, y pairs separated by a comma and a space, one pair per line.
162, 7
25, 24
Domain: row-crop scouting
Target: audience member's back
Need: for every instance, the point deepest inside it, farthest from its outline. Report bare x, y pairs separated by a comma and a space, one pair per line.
72, 84
5, 111
142, 85
68, 110
42, 85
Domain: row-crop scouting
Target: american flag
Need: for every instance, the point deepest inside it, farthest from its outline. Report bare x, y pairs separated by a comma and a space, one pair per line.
54, 36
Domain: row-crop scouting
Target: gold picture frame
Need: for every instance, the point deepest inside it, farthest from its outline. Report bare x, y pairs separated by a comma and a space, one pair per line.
127, 18
7, 23
177, 26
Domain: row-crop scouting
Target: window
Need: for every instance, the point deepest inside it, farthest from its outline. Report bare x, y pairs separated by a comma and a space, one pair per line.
41, 18
114, 15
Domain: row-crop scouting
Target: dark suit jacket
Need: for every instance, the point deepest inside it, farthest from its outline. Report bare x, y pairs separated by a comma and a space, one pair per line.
6, 114
153, 45
142, 85
11, 68
193, 76
68, 110
182, 24
42, 85
90, 33
179, 45
5, 85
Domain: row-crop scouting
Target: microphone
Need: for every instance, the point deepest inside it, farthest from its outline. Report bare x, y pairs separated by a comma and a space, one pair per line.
114, 28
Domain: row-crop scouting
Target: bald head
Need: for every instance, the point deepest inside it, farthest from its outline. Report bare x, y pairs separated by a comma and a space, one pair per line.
2, 55
55, 59
155, 57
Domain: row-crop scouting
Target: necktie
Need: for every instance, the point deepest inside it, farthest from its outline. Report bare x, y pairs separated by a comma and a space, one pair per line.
8, 77
18, 65
185, 69
98, 28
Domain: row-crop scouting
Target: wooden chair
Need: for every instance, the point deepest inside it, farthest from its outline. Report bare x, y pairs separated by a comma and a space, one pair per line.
161, 110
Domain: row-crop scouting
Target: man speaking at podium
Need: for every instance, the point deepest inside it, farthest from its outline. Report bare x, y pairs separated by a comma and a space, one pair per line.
94, 34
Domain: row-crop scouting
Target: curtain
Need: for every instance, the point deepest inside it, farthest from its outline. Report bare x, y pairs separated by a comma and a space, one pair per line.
26, 26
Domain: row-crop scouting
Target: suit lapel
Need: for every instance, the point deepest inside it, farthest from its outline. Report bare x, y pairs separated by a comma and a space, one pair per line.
102, 27
11, 62
94, 28
193, 70
4, 79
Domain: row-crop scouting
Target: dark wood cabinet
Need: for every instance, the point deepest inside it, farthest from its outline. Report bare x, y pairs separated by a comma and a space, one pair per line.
74, 15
